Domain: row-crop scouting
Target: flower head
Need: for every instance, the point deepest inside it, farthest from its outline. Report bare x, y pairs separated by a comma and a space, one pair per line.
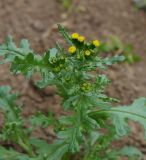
72, 49
81, 38
86, 87
87, 53
75, 36
96, 43
56, 69
54, 60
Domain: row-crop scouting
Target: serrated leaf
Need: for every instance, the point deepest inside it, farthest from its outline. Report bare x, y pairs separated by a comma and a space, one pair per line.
67, 120
42, 120
26, 65
10, 154
10, 44
93, 137
109, 61
58, 152
8, 102
13, 127
135, 112
53, 151
47, 79
42, 147
119, 115
25, 46
9, 49
68, 103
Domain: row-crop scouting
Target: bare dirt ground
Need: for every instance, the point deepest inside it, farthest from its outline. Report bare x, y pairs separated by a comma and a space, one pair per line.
36, 20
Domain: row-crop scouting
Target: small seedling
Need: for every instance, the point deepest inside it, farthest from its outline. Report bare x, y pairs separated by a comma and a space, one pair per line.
140, 4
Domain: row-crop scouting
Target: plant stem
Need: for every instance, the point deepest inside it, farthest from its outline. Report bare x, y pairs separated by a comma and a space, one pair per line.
26, 146
91, 152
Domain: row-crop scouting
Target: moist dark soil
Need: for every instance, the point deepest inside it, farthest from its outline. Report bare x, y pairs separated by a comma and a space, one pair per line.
36, 20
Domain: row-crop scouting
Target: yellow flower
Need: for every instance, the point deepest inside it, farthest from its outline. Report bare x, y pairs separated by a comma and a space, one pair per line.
81, 38
87, 53
96, 43
74, 36
72, 49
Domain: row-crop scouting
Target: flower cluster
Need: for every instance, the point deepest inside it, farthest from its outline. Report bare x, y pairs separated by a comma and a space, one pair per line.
78, 37
81, 47
86, 87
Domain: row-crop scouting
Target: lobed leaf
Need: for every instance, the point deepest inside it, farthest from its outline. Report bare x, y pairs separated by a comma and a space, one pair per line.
9, 49
119, 115
10, 154
8, 103
130, 151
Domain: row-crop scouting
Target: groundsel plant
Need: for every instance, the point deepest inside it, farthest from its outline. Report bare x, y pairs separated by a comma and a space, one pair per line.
87, 132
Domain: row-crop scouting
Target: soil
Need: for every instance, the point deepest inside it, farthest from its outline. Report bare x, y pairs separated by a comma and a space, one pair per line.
36, 20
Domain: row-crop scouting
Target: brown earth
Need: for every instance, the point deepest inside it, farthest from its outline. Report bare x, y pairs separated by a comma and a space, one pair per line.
36, 20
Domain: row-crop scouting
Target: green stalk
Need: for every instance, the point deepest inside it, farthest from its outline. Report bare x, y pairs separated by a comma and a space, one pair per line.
26, 146
91, 152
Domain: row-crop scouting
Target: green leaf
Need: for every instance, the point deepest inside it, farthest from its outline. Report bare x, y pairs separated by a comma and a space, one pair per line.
9, 49
102, 80
10, 154
25, 46
94, 137
13, 128
111, 60
135, 112
104, 47
141, 4
69, 102
71, 136
47, 151
10, 44
132, 58
42, 120
64, 34
115, 42
128, 48
58, 151
52, 53
25, 65
47, 79
42, 147
53, 151
119, 115
8, 103
67, 120
67, 4
130, 152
